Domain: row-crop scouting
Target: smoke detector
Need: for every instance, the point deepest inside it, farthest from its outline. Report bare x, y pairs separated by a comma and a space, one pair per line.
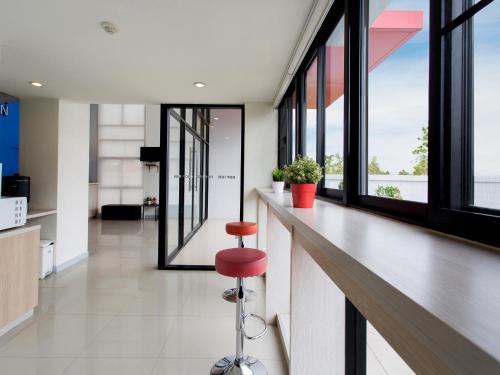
109, 27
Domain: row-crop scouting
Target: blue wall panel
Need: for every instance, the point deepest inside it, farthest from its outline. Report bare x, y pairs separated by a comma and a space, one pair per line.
9, 136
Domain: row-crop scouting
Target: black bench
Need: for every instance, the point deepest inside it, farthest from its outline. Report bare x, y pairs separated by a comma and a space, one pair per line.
121, 212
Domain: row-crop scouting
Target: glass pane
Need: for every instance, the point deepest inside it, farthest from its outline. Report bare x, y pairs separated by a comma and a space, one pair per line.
312, 108
188, 184
108, 196
173, 185
132, 196
110, 114
132, 173
121, 132
197, 182
189, 116
334, 109
110, 172
120, 149
381, 358
398, 65
294, 124
486, 108
133, 114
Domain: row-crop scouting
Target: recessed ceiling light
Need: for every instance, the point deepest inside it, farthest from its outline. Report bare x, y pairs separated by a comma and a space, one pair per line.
199, 84
36, 84
109, 27
216, 118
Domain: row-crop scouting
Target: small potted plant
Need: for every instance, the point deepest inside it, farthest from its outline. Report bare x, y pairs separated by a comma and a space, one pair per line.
278, 180
303, 175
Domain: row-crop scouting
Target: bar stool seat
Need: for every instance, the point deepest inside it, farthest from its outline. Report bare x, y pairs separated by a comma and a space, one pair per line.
241, 262
241, 228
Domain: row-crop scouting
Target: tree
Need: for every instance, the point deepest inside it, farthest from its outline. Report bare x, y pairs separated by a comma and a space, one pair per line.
334, 164
403, 172
374, 167
421, 166
392, 192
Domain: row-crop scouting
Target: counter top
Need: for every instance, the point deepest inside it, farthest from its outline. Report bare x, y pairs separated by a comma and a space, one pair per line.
32, 214
439, 291
18, 230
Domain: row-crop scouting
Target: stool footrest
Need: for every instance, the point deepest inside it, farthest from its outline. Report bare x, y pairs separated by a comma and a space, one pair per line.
260, 334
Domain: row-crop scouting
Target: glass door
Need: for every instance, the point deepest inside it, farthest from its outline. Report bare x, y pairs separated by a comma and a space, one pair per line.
197, 184
186, 182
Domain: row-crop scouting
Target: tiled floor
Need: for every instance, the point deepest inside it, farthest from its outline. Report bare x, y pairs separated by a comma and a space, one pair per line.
201, 249
117, 314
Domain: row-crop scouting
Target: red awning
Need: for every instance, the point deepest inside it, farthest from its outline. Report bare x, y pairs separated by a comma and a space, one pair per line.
389, 32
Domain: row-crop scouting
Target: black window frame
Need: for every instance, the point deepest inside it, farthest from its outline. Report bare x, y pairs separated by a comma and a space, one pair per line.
450, 130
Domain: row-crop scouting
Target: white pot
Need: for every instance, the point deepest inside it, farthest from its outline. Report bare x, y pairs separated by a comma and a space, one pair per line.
278, 187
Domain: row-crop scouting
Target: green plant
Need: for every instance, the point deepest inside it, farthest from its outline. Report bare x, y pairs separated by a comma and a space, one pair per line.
392, 192
303, 170
334, 164
278, 175
421, 167
374, 167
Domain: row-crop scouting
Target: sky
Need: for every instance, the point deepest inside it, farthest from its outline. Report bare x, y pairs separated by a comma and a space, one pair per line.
398, 97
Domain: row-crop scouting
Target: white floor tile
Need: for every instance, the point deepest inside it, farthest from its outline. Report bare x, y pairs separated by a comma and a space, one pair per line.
111, 366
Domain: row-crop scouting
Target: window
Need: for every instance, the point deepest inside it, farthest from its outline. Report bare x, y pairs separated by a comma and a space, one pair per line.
334, 109
397, 108
293, 142
120, 137
486, 112
311, 102
401, 111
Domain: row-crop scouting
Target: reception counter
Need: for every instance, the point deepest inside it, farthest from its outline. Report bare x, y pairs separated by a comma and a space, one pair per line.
19, 252
434, 298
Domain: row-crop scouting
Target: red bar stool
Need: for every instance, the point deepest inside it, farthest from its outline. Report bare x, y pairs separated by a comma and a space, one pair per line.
241, 263
240, 229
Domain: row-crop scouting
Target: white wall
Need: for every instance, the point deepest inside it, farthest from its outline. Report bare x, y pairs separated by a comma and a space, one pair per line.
38, 157
261, 154
225, 160
72, 181
151, 177
38, 149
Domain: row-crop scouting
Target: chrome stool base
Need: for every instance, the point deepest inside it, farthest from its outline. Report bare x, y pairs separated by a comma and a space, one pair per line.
231, 295
250, 366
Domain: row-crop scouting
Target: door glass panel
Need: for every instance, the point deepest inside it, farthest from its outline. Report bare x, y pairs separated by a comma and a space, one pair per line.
196, 183
173, 185
188, 183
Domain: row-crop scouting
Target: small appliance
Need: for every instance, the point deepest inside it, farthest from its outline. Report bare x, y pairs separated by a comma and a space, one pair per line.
16, 186
46, 258
13, 212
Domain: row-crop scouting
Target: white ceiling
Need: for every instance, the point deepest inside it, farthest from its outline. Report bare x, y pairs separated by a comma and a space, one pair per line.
240, 48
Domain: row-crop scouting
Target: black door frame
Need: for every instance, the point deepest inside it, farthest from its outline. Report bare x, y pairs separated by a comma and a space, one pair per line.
164, 261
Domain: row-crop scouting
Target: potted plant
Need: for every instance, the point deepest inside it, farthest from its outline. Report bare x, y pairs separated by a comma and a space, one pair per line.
303, 175
278, 180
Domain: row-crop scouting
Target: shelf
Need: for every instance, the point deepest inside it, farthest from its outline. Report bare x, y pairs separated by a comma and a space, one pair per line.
33, 214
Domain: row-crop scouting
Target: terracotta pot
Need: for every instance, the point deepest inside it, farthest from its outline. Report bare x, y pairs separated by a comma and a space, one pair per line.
303, 195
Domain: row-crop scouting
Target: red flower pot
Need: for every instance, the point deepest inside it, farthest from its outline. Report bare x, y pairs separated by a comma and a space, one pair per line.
303, 195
